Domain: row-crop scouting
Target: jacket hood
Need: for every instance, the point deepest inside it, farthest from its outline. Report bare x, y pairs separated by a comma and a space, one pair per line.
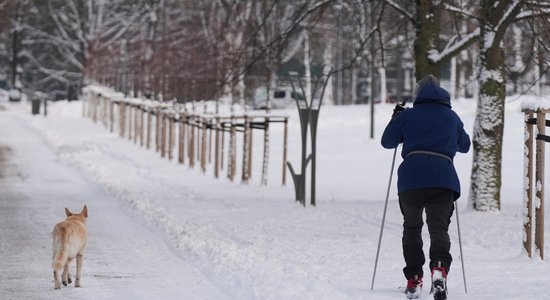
429, 91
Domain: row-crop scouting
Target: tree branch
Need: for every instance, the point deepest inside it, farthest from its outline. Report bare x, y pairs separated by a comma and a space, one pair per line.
401, 10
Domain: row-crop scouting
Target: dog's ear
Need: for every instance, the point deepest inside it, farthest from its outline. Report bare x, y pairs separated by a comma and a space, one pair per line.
85, 211
68, 212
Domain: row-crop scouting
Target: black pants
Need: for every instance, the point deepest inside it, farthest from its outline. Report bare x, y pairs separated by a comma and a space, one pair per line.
439, 206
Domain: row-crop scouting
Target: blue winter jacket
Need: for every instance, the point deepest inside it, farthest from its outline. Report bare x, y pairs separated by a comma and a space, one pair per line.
430, 125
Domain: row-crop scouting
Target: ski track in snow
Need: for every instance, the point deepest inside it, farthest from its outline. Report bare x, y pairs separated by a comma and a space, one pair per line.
240, 242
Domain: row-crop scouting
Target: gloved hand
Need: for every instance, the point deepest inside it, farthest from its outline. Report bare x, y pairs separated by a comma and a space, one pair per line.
397, 110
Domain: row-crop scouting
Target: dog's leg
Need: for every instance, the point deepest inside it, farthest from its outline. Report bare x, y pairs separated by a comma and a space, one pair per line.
78, 269
56, 280
66, 275
69, 281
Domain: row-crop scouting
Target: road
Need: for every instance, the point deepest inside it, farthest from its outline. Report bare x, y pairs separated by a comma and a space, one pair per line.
124, 259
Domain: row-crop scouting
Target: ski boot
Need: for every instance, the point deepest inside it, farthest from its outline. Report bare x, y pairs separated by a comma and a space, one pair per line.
439, 282
414, 287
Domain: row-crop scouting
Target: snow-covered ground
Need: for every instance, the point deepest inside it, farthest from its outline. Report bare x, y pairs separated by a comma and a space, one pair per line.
159, 230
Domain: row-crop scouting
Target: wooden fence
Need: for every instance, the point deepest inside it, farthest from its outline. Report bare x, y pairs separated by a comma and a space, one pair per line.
175, 130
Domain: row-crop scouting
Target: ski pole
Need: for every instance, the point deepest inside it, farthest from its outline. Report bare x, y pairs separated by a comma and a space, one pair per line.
460, 246
383, 219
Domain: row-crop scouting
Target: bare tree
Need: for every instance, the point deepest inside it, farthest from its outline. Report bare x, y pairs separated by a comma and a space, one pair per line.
75, 30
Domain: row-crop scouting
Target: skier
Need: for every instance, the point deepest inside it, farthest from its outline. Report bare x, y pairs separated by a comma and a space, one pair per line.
431, 133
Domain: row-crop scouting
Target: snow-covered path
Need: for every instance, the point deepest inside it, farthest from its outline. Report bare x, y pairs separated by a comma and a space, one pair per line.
125, 260
159, 230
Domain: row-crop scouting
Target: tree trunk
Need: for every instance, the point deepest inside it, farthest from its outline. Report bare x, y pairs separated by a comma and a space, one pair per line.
489, 125
17, 69
427, 38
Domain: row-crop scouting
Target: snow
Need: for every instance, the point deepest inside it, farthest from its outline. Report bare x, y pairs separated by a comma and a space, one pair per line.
535, 105
159, 230
15, 94
487, 75
436, 56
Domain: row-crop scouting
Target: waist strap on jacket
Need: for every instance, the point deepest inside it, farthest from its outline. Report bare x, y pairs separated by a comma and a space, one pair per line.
429, 153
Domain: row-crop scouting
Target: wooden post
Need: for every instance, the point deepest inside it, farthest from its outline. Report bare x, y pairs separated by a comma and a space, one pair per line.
105, 112
244, 176
198, 138
122, 107
181, 144
217, 149
231, 153
222, 145
97, 116
102, 110
112, 114
192, 143
136, 123
210, 123
142, 125
539, 177
94, 117
285, 150
149, 125
158, 129
86, 106
250, 134
97, 111
130, 122
170, 137
203, 146
91, 105
122, 121
265, 159
107, 104
528, 185
155, 130
163, 136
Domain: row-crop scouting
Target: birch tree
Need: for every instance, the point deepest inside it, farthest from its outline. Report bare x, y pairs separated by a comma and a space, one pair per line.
489, 123
496, 17
151, 28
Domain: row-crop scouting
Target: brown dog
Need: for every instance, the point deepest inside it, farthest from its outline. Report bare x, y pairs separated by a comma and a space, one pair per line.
69, 240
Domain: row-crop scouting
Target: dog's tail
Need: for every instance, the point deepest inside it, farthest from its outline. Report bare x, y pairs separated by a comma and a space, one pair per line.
58, 256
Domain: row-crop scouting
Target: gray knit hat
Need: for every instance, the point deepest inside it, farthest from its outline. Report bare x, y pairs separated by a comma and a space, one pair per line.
427, 80
428, 90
